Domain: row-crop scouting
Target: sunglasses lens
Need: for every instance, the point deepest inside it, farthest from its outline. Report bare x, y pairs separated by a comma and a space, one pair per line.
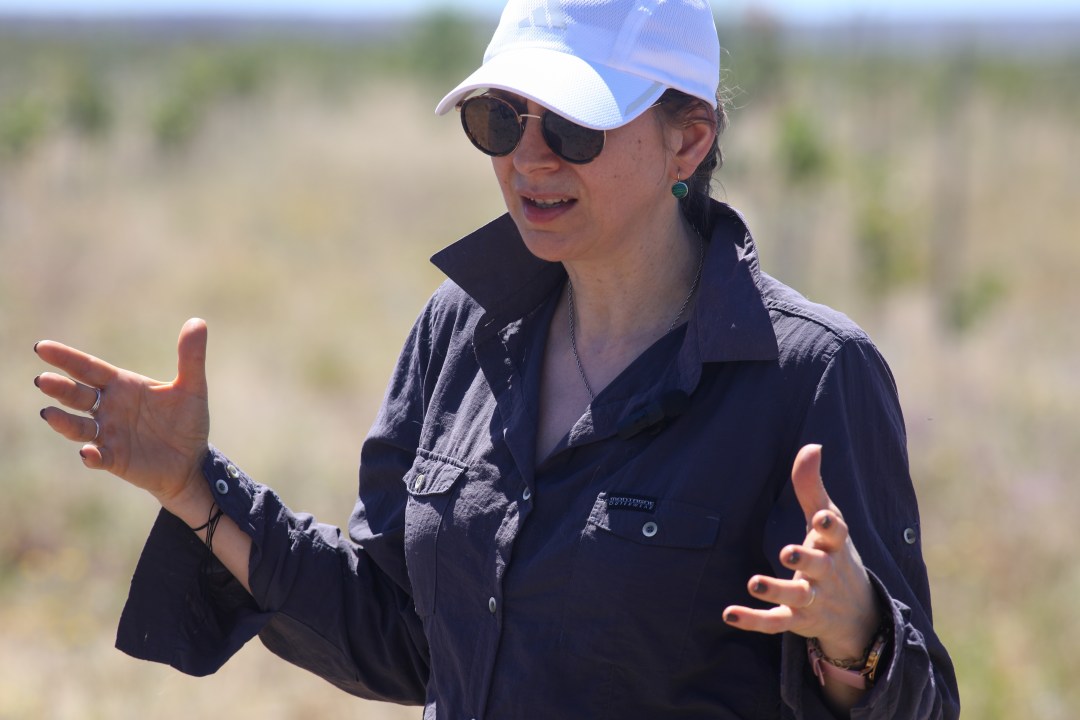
492, 125
570, 141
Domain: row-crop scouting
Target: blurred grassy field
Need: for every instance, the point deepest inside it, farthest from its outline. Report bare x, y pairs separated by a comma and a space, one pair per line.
290, 189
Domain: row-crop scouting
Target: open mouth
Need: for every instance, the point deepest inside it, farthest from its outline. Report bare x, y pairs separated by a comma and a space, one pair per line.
547, 203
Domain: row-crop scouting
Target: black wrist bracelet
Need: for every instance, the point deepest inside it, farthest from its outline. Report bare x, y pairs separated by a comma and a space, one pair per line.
213, 517
206, 564
211, 527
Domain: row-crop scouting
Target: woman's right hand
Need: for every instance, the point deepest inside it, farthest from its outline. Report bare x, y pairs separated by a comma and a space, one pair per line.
152, 434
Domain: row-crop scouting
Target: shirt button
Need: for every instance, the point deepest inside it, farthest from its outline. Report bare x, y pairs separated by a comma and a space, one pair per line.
232, 470
526, 494
492, 605
418, 483
910, 536
649, 529
222, 487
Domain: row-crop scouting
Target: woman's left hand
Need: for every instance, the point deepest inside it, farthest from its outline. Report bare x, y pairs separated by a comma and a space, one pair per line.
830, 596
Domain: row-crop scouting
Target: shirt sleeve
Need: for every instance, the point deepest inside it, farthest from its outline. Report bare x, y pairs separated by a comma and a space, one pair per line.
335, 604
855, 416
318, 600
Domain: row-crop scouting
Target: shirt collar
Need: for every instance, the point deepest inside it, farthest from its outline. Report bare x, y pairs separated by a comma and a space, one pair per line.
729, 323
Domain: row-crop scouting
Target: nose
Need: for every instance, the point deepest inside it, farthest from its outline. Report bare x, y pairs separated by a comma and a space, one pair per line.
532, 152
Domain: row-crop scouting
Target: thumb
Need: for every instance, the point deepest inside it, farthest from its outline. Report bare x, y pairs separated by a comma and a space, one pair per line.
806, 479
191, 356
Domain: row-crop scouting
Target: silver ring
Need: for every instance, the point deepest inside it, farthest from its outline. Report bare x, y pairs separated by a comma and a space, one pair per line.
813, 597
97, 430
97, 402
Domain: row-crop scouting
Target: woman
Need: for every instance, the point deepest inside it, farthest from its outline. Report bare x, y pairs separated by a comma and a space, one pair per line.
594, 488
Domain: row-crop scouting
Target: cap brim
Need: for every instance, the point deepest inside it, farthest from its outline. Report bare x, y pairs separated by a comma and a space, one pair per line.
595, 96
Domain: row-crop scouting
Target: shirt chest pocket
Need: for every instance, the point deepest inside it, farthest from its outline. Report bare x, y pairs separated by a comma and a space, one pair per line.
430, 484
636, 576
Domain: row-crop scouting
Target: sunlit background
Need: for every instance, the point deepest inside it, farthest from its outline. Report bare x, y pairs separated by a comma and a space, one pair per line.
276, 168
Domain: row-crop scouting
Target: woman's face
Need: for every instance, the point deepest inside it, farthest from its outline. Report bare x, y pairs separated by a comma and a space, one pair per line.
568, 212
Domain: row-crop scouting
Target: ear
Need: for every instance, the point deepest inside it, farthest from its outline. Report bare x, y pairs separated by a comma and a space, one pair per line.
692, 141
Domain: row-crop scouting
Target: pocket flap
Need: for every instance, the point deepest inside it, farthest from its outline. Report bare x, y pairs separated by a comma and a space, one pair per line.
670, 524
432, 475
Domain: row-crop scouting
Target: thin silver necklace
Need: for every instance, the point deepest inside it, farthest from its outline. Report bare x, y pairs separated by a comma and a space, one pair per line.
675, 322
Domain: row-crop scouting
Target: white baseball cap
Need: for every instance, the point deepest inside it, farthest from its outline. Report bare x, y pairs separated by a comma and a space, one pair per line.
600, 63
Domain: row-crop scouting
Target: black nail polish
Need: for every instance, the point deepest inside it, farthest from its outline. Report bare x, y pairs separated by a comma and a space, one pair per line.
794, 557
42, 413
759, 587
731, 617
36, 344
37, 381
826, 522
82, 454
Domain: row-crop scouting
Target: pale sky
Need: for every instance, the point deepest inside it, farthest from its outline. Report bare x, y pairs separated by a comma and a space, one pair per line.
796, 10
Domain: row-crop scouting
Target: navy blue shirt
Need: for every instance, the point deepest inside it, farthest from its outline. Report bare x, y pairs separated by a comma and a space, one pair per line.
484, 582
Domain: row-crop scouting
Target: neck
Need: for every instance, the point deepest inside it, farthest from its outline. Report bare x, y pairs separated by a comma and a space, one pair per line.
633, 298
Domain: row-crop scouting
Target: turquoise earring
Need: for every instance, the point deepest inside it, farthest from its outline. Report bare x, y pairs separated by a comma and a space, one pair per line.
680, 189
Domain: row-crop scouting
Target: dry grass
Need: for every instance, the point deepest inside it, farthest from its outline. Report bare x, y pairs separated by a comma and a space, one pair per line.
298, 224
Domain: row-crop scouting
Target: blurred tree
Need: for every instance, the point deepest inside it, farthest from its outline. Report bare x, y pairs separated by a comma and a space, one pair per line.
886, 255
803, 158
23, 122
241, 71
974, 299
177, 119
950, 101
88, 109
206, 75
757, 54
445, 47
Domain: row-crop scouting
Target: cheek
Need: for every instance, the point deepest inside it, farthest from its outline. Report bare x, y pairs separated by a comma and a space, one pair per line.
638, 162
502, 167
498, 166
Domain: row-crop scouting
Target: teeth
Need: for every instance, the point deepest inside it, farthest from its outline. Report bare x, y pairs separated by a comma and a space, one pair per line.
547, 203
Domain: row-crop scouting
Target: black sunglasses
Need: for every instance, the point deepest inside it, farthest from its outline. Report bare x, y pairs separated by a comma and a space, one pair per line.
495, 127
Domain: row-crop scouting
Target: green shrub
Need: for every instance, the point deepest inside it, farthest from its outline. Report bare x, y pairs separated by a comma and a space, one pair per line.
804, 155
177, 119
88, 108
445, 47
974, 300
23, 122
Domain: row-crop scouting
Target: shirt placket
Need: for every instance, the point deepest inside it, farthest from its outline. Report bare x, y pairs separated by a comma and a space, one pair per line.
513, 454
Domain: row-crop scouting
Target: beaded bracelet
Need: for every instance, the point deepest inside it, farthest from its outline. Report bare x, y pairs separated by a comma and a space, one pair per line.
855, 673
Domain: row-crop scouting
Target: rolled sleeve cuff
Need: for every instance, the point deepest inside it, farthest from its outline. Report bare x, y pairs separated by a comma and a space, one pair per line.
184, 608
800, 688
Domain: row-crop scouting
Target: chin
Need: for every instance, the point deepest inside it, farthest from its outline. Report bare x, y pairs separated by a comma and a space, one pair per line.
546, 245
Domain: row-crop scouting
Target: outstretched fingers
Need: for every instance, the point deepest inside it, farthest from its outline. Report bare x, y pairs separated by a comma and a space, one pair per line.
81, 390
82, 367
829, 595
69, 393
773, 621
152, 434
77, 428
